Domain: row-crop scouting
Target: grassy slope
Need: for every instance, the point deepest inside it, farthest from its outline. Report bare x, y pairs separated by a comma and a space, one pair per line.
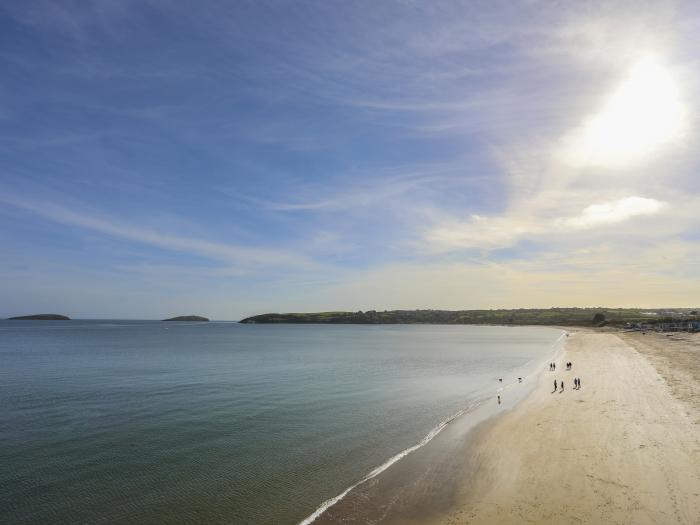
550, 316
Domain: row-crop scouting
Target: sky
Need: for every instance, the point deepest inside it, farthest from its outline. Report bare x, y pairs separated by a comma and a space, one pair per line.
226, 159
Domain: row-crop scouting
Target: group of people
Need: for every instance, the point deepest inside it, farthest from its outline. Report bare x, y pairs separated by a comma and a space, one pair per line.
560, 385
553, 366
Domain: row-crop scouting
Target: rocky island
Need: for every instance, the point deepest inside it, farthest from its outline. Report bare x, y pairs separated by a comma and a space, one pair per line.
187, 318
41, 317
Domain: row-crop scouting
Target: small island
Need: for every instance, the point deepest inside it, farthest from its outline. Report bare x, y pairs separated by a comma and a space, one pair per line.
189, 318
41, 317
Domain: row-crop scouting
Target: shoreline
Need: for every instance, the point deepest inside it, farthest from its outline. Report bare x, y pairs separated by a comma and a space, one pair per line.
625, 448
385, 485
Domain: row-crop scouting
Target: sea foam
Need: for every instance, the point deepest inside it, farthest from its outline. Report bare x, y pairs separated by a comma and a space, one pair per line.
381, 468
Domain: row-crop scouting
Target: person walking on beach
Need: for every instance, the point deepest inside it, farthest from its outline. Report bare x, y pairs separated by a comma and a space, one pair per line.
555, 385
562, 385
499, 399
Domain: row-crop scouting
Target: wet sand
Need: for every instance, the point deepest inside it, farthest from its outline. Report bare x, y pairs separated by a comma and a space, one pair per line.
625, 448
426, 483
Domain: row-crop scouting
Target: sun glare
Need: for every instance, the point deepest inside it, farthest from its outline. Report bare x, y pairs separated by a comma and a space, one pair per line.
642, 115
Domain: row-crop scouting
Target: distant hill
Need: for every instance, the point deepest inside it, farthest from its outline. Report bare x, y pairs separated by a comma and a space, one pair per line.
41, 317
187, 318
525, 316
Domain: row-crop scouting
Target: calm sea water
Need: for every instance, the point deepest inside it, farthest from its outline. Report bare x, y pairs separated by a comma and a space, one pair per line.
151, 422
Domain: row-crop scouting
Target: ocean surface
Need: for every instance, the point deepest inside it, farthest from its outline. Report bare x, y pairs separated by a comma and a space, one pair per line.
152, 422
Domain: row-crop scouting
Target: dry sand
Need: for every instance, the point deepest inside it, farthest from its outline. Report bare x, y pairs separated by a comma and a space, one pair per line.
623, 449
676, 356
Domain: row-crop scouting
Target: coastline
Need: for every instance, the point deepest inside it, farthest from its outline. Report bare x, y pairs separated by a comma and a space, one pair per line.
625, 448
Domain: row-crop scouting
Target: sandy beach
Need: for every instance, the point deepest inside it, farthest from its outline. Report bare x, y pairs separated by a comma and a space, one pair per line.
625, 448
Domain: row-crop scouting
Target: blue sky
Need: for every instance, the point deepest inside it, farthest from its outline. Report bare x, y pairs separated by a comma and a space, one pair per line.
232, 158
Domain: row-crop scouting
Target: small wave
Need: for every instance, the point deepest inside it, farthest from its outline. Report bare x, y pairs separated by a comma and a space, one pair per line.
381, 468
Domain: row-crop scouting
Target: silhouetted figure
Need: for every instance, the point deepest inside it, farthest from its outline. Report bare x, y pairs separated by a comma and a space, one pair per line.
579, 383
555, 385
499, 400
520, 380
562, 385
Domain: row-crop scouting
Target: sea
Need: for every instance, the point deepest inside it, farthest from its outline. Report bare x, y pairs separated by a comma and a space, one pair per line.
159, 422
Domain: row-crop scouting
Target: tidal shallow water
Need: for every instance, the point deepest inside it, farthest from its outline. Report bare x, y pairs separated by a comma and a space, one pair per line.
151, 422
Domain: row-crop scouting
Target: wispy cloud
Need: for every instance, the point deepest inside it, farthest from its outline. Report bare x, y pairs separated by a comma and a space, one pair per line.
245, 257
376, 188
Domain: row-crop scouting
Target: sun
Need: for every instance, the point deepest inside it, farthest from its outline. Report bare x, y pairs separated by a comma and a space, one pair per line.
641, 116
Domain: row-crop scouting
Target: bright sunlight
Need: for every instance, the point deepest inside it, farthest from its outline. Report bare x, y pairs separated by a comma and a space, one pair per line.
642, 115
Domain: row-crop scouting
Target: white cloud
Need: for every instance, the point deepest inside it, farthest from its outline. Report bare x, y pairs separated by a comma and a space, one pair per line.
614, 212
489, 233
